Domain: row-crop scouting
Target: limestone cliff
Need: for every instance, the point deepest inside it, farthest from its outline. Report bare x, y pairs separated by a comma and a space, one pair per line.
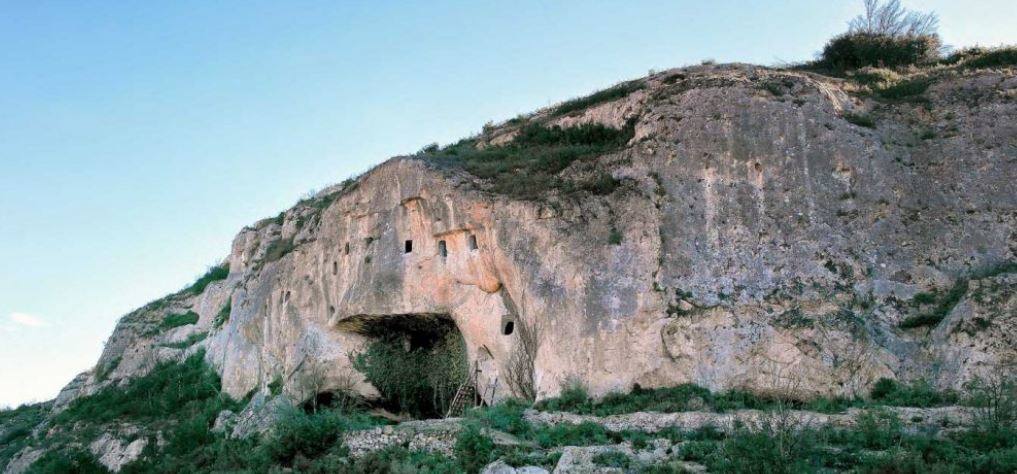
768, 230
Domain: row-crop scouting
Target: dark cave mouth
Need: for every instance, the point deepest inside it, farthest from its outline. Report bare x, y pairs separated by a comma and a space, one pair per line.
416, 361
421, 330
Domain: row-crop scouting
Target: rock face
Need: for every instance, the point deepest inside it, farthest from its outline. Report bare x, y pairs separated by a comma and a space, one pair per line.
759, 240
114, 452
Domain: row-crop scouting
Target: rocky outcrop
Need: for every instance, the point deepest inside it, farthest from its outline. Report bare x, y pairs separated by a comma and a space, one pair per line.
23, 460
114, 452
758, 240
424, 435
911, 419
499, 467
582, 459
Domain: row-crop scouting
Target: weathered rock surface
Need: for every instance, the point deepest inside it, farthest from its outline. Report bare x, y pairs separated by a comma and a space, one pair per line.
581, 459
912, 419
256, 418
23, 460
766, 243
114, 452
499, 467
424, 435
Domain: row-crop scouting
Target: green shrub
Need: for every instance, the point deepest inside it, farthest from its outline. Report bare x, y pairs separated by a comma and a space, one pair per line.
916, 394
583, 434
275, 387
320, 202
883, 388
615, 238
421, 381
601, 184
522, 456
921, 320
683, 397
877, 430
597, 98
924, 298
397, 459
862, 120
573, 398
671, 399
473, 449
505, 416
188, 342
105, 368
302, 434
665, 467
181, 319
223, 315
978, 57
612, 458
214, 274
698, 451
527, 167
904, 90
278, 249
855, 50
875, 77
943, 305
766, 451
63, 461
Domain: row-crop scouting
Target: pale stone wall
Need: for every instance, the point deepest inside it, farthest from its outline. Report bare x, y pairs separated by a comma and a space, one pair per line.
767, 244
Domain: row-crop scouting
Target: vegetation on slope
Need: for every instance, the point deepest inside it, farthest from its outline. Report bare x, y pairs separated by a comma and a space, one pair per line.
890, 51
214, 274
887, 51
878, 443
599, 97
529, 165
182, 401
179, 319
895, 54
690, 397
16, 427
187, 389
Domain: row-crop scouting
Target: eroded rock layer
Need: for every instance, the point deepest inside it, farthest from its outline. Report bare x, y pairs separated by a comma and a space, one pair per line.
758, 240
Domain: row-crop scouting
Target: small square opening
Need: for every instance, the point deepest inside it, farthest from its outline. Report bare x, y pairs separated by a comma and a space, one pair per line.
473, 242
408, 246
442, 248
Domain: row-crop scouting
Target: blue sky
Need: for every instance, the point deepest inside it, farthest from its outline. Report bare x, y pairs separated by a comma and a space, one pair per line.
137, 138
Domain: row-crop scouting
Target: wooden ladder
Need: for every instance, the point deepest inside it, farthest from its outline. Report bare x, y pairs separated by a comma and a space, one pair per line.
467, 393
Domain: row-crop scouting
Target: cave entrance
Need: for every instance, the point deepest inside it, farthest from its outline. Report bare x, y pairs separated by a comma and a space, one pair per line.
417, 362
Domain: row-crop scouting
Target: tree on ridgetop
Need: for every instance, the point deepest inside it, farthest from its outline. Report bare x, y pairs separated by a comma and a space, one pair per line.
891, 19
886, 35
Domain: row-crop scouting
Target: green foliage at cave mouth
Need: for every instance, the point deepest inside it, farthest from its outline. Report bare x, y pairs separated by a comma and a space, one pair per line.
416, 375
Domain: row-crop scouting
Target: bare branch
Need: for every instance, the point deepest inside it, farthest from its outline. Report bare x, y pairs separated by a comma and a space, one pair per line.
892, 19
519, 369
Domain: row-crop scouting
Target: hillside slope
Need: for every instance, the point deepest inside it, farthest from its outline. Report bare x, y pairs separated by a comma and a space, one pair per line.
734, 226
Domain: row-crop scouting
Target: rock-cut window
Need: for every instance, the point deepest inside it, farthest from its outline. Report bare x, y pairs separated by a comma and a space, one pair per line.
408, 246
442, 248
473, 242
